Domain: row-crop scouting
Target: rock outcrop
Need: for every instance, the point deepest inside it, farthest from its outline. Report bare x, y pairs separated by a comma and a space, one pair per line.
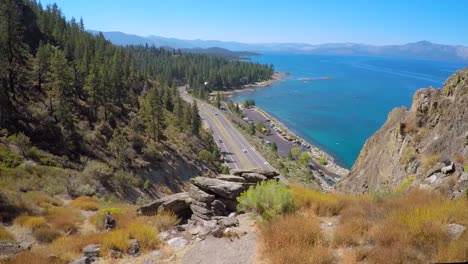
210, 198
426, 145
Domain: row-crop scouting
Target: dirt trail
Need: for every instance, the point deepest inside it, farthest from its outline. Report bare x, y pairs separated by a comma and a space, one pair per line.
225, 250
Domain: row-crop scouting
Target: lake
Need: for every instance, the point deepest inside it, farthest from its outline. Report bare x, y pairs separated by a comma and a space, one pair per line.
336, 102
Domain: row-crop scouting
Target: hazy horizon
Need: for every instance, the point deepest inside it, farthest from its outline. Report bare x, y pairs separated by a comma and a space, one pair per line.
363, 22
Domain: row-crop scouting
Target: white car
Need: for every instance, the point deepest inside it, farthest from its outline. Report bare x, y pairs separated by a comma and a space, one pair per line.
244, 150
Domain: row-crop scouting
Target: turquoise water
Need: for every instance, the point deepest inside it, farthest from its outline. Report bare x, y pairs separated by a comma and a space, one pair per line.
339, 114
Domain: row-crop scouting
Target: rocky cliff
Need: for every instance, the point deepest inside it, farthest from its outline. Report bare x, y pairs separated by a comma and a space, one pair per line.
426, 145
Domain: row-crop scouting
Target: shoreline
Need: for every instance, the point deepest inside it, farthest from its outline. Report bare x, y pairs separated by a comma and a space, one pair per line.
314, 151
276, 77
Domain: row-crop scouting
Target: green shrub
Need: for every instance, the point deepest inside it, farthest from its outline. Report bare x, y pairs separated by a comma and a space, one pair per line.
224, 169
267, 199
9, 158
21, 141
39, 156
323, 161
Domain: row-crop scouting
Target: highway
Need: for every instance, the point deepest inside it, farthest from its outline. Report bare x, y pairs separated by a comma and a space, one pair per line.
237, 152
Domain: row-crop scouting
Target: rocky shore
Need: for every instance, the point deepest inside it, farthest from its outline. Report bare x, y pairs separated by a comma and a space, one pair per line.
315, 152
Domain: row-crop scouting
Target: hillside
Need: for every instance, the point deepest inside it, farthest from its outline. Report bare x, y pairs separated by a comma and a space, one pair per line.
81, 116
418, 50
426, 145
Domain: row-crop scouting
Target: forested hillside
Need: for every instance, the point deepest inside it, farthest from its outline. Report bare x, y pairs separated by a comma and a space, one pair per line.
112, 115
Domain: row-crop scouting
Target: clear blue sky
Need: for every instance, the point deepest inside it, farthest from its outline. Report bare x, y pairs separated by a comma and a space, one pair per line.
252, 21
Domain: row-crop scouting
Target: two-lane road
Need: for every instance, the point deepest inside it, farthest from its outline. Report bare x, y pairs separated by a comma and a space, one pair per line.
238, 153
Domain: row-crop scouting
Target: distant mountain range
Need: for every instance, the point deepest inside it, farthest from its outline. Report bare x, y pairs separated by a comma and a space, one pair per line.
419, 50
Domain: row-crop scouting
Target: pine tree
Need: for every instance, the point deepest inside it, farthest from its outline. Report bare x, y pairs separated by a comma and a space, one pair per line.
61, 98
153, 109
14, 58
196, 120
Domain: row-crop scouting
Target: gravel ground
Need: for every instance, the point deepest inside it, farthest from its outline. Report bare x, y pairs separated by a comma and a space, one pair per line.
225, 250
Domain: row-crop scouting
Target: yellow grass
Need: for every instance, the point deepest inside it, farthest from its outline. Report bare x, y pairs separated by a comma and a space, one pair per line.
46, 234
163, 220
85, 203
321, 203
30, 221
5, 235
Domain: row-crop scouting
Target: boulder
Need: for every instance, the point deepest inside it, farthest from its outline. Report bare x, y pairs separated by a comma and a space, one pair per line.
229, 221
199, 195
239, 172
116, 254
268, 173
455, 230
254, 177
200, 210
164, 235
82, 260
134, 249
230, 178
91, 251
177, 242
449, 168
217, 232
218, 207
222, 188
178, 203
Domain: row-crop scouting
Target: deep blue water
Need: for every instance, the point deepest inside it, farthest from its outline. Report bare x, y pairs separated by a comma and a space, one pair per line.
338, 115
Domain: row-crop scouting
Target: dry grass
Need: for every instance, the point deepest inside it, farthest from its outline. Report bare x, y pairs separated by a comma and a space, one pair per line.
30, 221
85, 203
410, 127
42, 199
322, 204
64, 218
406, 227
429, 161
69, 248
294, 238
5, 235
455, 251
162, 221
46, 235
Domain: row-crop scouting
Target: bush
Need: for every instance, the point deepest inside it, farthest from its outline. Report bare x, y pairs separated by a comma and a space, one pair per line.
323, 160
45, 235
9, 158
146, 236
267, 199
163, 220
31, 221
116, 240
409, 155
5, 235
64, 218
43, 200
85, 203
21, 141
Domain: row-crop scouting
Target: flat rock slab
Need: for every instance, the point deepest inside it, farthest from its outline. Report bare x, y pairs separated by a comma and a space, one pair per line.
177, 203
200, 195
177, 242
222, 188
230, 178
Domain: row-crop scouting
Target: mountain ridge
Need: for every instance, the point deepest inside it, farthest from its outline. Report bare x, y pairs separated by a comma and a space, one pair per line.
418, 50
